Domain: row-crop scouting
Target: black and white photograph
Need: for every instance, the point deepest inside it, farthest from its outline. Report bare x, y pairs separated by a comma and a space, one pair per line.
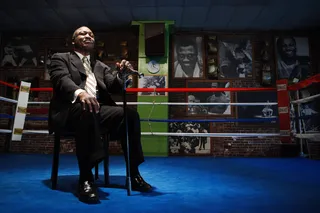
188, 56
310, 115
293, 61
262, 111
154, 81
19, 51
209, 97
235, 58
186, 145
310, 111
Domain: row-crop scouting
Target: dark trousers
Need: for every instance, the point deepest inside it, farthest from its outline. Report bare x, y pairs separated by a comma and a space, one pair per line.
89, 127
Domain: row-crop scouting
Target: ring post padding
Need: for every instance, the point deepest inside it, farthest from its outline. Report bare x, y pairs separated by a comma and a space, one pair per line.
21, 111
284, 110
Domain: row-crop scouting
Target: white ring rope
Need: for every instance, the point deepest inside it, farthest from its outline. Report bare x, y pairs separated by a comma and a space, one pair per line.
211, 134
38, 102
5, 131
8, 100
305, 100
201, 104
176, 134
168, 103
310, 136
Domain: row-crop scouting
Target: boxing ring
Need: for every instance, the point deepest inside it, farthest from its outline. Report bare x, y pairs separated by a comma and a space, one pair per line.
285, 106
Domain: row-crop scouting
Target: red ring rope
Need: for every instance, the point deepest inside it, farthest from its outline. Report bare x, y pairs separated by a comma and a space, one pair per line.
297, 86
9, 85
305, 83
197, 89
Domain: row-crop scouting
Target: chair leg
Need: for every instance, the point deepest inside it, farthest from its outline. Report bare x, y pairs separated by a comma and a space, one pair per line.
55, 162
106, 162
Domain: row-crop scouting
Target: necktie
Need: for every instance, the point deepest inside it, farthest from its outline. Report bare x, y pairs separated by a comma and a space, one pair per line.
91, 83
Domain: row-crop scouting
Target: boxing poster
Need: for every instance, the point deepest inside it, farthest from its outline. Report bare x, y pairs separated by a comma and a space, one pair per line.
293, 60
235, 58
188, 145
188, 53
222, 97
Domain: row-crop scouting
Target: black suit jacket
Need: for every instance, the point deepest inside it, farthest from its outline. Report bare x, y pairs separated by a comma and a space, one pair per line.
67, 74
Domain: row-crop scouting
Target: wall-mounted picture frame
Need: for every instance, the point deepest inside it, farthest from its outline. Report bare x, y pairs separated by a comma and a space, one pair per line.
292, 58
153, 81
189, 145
209, 97
268, 112
20, 51
188, 56
235, 55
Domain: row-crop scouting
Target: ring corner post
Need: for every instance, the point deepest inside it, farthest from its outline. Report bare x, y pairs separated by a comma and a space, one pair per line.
21, 111
284, 111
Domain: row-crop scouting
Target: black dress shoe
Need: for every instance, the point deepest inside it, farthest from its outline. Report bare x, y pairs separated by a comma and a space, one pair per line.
87, 193
139, 184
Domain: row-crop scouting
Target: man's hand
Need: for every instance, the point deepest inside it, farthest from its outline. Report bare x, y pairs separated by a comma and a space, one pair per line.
89, 101
123, 66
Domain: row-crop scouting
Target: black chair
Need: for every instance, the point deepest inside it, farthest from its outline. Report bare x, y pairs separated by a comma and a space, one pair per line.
56, 153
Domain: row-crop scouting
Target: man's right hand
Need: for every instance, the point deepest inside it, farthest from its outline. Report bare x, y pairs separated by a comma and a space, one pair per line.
89, 101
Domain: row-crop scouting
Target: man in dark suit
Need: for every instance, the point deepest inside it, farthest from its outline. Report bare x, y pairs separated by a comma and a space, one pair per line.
81, 101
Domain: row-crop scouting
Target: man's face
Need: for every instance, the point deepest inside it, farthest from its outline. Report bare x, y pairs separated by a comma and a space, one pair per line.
84, 39
187, 58
289, 48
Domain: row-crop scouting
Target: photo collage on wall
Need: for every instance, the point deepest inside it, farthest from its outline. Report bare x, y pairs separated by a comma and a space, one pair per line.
222, 61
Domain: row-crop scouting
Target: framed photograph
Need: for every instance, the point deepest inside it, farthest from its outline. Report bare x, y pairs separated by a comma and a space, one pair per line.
293, 60
186, 145
254, 112
154, 81
20, 51
235, 58
188, 56
209, 97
